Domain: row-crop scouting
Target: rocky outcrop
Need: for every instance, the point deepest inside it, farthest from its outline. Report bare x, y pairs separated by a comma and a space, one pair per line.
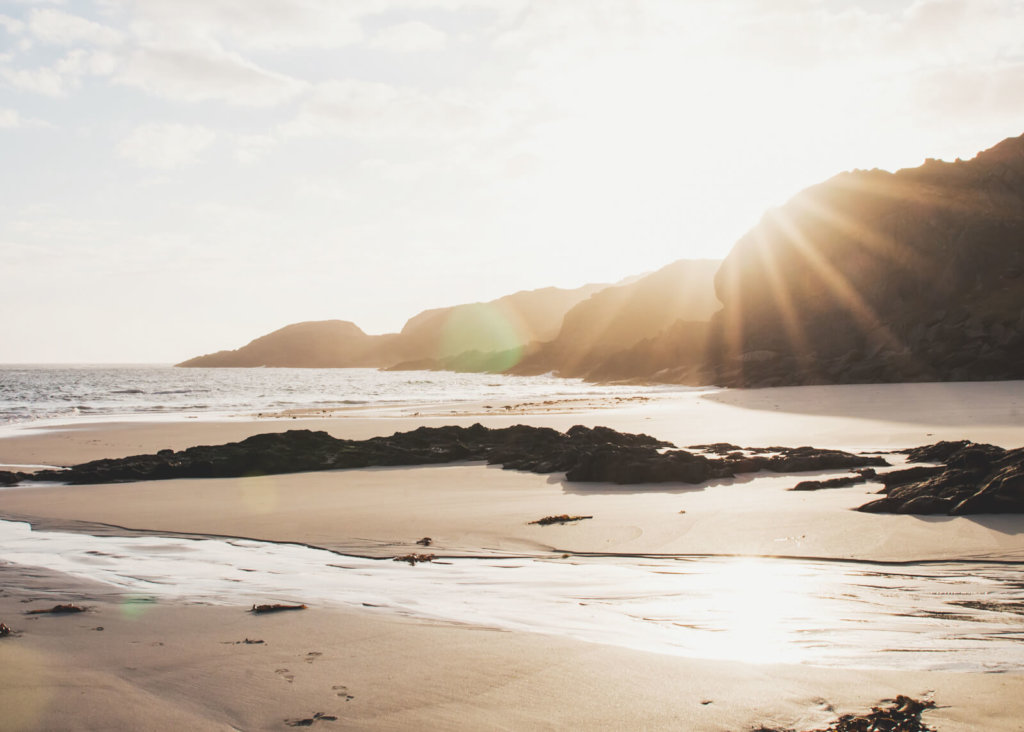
599, 335
595, 454
881, 277
971, 479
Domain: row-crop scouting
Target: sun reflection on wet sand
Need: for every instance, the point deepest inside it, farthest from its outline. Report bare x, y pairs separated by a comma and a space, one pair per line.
941, 616
763, 605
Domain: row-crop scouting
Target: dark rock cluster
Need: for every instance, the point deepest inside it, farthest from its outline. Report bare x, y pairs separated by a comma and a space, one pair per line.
970, 479
595, 454
9, 478
902, 714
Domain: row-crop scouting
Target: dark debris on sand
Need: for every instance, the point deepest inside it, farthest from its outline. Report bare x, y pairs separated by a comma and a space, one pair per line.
414, 559
597, 454
4, 630
902, 715
310, 721
275, 608
841, 482
67, 609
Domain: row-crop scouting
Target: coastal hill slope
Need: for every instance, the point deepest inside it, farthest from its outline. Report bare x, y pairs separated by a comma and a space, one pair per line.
617, 318
314, 344
502, 327
509, 322
872, 276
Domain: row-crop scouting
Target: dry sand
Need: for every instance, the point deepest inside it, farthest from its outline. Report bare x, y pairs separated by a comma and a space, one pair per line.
174, 666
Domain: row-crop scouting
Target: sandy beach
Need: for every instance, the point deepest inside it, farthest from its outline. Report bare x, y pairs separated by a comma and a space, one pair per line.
176, 664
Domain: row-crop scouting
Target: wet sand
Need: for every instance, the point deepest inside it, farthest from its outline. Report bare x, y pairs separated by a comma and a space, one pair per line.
183, 667
176, 665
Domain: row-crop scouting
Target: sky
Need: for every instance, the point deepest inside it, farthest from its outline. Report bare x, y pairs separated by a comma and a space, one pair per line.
181, 176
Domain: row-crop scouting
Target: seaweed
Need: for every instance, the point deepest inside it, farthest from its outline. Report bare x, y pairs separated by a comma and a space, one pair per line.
561, 519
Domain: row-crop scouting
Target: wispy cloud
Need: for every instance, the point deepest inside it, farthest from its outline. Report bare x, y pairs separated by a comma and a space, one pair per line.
369, 109
58, 27
207, 73
410, 37
249, 148
11, 119
252, 24
166, 146
11, 25
46, 81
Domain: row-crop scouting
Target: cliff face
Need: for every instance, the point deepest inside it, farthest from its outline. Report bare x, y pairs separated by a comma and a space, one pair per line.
875, 276
314, 344
614, 320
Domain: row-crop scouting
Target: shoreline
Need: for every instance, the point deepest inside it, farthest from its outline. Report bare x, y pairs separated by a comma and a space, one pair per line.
851, 416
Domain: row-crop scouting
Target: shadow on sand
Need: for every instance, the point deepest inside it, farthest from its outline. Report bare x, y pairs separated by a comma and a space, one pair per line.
947, 404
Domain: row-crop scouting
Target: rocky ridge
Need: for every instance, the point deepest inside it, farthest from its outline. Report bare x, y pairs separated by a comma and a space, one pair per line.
956, 478
596, 454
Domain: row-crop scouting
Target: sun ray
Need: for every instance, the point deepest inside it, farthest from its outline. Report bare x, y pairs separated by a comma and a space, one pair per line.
839, 287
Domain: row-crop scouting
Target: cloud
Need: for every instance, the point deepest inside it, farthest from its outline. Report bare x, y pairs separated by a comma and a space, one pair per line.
11, 119
58, 27
959, 30
410, 37
45, 81
264, 24
11, 25
972, 94
200, 74
165, 146
367, 109
250, 148
65, 73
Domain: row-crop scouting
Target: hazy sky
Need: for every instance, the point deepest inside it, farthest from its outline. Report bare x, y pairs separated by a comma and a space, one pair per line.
180, 176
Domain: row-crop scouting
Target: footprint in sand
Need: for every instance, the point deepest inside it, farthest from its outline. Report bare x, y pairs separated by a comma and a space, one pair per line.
283, 673
312, 656
342, 691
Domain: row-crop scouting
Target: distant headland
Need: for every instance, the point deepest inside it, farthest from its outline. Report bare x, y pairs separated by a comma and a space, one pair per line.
867, 277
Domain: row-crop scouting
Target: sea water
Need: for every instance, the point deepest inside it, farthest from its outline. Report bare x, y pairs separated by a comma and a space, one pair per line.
31, 393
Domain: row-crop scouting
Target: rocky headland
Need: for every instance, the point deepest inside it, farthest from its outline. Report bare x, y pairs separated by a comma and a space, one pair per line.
499, 330
570, 332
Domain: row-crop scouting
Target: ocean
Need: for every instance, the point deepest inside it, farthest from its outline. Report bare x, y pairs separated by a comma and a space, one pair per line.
30, 393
